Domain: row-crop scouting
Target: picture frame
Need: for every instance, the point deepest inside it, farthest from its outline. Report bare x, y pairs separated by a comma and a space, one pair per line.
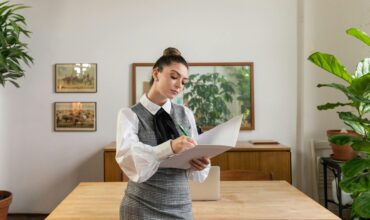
215, 92
75, 78
75, 116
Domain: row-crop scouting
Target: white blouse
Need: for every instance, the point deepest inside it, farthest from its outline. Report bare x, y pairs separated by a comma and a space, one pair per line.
140, 161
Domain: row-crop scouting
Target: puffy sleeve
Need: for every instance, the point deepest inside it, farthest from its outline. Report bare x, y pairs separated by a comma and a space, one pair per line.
195, 175
137, 160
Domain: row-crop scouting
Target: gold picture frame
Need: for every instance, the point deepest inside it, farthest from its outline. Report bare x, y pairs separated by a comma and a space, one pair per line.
74, 116
76, 78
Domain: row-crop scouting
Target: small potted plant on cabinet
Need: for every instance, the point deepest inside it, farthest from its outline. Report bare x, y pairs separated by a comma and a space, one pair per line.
356, 172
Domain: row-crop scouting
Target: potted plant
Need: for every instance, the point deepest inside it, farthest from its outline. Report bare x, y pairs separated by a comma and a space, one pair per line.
341, 151
356, 172
12, 52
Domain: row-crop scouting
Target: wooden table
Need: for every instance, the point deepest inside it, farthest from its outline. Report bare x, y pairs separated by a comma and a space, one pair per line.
239, 200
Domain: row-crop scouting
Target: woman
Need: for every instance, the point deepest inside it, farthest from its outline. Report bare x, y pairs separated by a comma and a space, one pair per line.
148, 133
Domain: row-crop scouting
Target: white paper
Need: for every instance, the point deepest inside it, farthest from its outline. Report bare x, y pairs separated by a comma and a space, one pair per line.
211, 143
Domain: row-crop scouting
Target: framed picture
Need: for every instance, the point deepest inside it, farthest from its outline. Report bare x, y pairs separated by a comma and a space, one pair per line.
75, 116
76, 77
215, 92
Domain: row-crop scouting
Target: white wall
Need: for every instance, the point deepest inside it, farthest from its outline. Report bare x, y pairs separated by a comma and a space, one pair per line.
325, 23
41, 166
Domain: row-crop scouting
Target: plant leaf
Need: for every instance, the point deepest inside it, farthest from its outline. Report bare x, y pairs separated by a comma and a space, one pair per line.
361, 205
332, 105
362, 68
357, 33
349, 116
350, 95
3, 3
331, 64
354, 122
356, 127
14, 83
343, 139
19, 6
355, 166
364, 108
363, 146
356, 184
360, 86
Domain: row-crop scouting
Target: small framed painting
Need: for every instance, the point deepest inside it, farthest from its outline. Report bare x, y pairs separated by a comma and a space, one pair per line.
75, 116
76, 77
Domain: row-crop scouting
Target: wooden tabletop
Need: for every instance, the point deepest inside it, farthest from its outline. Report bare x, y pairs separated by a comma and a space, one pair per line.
239, 200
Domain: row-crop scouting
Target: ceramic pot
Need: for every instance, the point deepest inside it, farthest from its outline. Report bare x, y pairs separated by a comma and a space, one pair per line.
342, 152
5, 200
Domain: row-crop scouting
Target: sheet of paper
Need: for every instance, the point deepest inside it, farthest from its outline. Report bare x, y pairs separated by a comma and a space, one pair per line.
223, 134
211, 143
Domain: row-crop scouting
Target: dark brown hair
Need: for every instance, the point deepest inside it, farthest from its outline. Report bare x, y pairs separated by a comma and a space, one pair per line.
169, 56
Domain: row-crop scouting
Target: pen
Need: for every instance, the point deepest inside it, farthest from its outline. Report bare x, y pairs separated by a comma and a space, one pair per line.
184, 132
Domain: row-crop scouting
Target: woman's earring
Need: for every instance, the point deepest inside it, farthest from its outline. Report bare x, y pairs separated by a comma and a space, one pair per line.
156, 79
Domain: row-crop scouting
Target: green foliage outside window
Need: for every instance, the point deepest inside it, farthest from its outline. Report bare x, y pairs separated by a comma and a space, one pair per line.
210, 95
242, 76
208, 98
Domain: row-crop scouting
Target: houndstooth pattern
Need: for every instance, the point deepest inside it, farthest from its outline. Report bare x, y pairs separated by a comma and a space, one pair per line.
166, 194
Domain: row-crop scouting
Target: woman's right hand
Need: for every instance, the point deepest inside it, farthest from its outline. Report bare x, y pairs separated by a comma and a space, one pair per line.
182, 144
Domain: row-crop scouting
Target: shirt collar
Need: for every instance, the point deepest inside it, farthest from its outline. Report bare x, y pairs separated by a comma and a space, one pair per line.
152, 107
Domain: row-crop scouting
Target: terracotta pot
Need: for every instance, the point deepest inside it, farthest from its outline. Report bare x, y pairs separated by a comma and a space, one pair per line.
342, 152
5, 200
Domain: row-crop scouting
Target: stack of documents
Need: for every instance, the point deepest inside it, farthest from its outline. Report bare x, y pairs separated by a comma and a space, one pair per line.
210, 144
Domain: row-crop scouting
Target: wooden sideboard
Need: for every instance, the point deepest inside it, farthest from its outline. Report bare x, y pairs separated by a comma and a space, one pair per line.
272, 158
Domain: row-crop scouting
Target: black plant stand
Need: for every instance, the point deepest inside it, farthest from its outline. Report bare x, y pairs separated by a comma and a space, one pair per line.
335, 167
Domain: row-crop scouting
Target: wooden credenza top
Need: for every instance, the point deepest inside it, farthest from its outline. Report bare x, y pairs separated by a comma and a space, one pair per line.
110, 147
240, 146
246, 146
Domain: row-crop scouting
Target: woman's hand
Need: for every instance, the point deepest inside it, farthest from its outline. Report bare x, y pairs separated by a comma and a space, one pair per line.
200, 164
182, 144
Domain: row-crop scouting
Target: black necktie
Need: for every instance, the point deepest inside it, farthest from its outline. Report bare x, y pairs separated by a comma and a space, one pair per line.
164, 127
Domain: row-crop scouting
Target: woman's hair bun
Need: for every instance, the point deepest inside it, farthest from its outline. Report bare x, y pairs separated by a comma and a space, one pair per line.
171, 51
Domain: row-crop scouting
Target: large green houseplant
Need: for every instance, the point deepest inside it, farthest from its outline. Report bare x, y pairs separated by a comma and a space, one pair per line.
356, 172
12, 50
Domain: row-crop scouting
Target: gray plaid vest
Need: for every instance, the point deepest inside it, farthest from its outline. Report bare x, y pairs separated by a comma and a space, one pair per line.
165, 195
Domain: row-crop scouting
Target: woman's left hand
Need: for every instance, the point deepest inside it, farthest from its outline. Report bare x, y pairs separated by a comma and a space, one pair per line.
200, 164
